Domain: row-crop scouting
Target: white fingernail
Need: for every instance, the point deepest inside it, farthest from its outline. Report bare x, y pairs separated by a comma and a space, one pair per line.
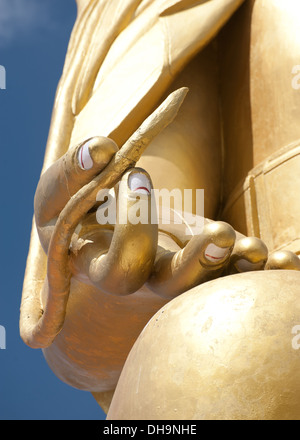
245, 266
215, 253
139, 183
84, 158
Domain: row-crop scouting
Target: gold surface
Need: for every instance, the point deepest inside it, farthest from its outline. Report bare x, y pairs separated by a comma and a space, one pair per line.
90, 290
222, 351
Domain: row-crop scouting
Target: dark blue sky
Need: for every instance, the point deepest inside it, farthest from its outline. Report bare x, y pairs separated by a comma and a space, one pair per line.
33, 40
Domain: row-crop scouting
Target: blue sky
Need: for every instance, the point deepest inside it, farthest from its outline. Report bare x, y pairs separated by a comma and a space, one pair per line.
33, 40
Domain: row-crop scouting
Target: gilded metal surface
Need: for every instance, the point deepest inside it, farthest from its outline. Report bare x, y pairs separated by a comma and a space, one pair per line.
222, 351
89, 290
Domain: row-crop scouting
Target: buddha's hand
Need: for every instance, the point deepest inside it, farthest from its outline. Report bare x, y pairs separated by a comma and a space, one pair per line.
120, 259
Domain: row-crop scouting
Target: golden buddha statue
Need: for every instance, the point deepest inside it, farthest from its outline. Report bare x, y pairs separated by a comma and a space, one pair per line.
224, 298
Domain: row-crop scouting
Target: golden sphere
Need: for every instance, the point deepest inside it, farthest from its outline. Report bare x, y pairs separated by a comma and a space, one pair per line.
225, 350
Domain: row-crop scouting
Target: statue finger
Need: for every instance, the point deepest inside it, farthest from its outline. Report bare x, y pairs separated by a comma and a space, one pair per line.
249, 254
88, 159
203, 258
125, 266
65, 177
283, 260
68, 174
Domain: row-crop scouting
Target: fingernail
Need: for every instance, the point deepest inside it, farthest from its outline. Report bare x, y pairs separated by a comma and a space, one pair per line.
84, 158
139, 183
214, 253
243, 265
